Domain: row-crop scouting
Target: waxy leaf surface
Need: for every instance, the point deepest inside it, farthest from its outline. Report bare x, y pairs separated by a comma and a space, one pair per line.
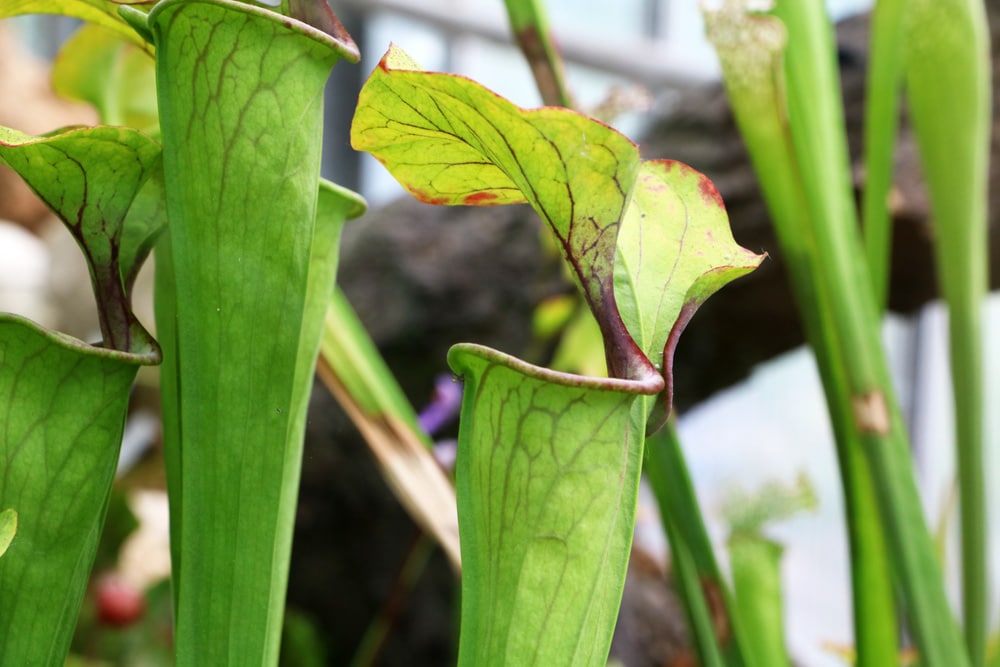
248, 267
547, 475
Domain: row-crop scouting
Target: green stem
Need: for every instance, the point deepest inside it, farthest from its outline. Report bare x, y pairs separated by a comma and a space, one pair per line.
530, 26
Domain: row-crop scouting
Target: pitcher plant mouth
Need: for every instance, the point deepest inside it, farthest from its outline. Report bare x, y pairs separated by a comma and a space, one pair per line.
312, 18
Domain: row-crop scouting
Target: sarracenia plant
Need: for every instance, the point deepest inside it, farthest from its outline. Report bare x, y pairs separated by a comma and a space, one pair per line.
548, 462
245, 271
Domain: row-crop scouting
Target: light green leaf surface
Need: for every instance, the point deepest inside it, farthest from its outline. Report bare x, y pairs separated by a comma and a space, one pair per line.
675, 249
8, 528
89, 178
109, 71
62, 410
249, 266
448, 140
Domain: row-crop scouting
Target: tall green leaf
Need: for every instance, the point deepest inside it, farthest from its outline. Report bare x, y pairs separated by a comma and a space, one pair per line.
948, 86
63, 411
248, 270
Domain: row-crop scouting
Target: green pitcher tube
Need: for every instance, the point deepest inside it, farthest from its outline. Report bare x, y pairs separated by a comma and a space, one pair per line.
240, 98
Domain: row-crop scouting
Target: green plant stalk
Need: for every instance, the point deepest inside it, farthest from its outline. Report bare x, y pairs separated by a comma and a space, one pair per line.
530, 26
947, 57
847, 324
240, 102
696, 607
753, 71
756, 566
885, 71
707, 598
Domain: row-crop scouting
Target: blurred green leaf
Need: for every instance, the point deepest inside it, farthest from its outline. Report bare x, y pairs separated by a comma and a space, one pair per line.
100, 12
108, 70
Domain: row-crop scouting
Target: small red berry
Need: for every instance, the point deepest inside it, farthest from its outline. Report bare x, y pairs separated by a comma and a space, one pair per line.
119, 603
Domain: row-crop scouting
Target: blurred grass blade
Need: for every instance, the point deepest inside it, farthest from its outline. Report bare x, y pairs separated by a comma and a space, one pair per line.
947, 59
530, 26
354, 372
885, 72
704, 592
751, 49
